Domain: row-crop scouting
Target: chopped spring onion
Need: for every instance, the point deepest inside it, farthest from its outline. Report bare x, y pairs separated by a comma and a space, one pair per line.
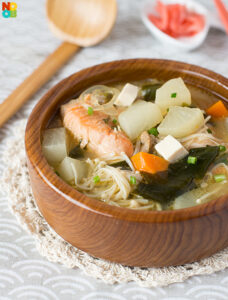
209, 131
114, 121
90, 111
96, 179
132, 180
173, 95
153, 131
219, 177
222, 148
192, 160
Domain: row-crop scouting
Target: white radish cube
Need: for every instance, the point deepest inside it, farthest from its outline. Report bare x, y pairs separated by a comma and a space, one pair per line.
171, 149
55, 145
181, 121
138, 117
72, 170
172, 93
128, 95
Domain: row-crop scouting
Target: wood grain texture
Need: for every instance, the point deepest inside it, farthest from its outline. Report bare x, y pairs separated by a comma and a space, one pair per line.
78, 23
130, 237
36, 80
81, 22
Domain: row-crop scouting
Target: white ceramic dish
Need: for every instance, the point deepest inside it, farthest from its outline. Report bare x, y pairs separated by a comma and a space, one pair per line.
184, 43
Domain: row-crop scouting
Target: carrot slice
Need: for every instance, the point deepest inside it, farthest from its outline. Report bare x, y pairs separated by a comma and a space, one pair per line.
149, 163
218, 110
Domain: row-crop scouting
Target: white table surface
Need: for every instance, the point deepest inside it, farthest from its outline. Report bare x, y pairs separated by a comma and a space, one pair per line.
25, 42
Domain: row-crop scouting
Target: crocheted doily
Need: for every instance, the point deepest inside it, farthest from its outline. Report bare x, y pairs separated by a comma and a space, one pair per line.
16, 185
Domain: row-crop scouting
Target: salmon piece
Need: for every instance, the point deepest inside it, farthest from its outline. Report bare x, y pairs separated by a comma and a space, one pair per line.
102, 139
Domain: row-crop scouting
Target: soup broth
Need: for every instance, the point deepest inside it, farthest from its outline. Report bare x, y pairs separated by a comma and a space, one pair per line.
147, 145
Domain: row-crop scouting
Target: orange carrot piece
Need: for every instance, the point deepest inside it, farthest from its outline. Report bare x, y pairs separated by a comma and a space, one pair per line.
218, 110
149, 163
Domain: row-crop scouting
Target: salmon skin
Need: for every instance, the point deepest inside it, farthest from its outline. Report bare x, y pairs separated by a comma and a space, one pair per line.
94, 130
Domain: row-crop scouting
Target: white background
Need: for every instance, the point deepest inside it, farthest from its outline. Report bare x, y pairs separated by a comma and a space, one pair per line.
25, 42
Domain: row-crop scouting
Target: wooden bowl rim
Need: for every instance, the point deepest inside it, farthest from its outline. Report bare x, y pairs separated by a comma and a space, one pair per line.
66, 191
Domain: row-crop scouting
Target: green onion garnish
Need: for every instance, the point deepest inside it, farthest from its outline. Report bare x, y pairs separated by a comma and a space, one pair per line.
173, 95
219, 177
192, 160
209, 131
222, 148
167, 109
90, 111
96, 179
132, 180
114, 121
184, 104
153, 131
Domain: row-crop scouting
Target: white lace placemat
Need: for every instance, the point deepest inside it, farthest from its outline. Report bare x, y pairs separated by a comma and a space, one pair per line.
16, 185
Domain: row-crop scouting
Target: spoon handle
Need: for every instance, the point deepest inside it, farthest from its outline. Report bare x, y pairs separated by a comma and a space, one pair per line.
36, 80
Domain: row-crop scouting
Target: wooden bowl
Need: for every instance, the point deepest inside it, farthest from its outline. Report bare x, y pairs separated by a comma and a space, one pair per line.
126, 236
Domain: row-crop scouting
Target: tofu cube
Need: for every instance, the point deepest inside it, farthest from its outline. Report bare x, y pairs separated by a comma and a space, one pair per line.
171, 149
128, 95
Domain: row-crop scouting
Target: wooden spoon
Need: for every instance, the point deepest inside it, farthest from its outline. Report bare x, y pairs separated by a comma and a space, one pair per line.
79, 23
